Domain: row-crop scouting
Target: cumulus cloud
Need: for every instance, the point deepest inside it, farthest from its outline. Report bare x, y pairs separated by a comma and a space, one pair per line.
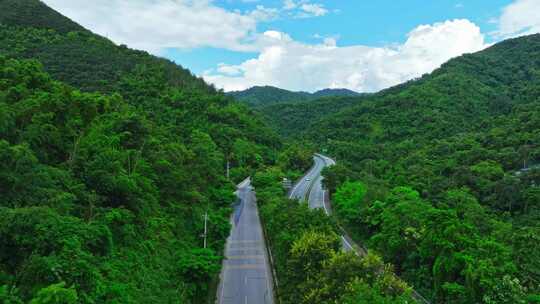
312, 9
290, 64
522, 17
262, 13
304, 8
159, 24
289, 4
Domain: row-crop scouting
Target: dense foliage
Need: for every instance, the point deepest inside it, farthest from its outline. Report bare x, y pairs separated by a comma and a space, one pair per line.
31, 30
109, 157
335, 93
100, 196
440, 160
310, 265
34, 13
265, 96
103, 194
291, 119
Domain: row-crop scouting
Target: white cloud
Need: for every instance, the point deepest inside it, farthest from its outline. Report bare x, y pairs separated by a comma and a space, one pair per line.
159, 24
304, 8
262, 13
522, 17
311, 9
289, 5
293, 65
282, 61
155, 25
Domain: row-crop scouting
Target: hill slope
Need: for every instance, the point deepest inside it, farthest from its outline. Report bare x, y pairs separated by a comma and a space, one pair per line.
30, 29
267, 95
334, 93
292, 119
104, 191
36, 14
439, 158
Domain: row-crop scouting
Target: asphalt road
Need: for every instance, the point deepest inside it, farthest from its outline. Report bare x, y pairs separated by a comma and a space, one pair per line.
316, 196
246, 274
301, 189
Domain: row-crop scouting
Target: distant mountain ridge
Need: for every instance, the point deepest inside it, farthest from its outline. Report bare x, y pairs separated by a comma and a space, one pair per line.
267, 95
335, 93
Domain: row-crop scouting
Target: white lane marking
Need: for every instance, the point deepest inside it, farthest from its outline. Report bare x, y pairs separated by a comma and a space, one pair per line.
346, 242
349, 245
245, 300
268, 275
295, 188
315, 168
324, 205
222, 285
245, 280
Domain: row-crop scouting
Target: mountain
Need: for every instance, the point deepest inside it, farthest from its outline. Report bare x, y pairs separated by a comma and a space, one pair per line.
263, 96
334, 93
292, 119
258, 96
29, 29
35, 14
110, 158
437, 159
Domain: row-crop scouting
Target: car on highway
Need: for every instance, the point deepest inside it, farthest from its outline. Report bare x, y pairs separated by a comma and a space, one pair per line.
308, 179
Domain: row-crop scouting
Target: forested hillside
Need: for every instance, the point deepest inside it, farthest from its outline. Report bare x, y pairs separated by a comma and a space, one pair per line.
334, 93
30, 29
310, 265
105, 179
291, 120
438, 189
266, 96
110, 157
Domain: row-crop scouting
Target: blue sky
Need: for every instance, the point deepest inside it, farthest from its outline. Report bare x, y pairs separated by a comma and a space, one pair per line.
355, 22
306, 44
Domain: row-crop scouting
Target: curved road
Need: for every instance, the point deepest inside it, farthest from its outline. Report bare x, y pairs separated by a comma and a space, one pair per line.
301, 189
310, 187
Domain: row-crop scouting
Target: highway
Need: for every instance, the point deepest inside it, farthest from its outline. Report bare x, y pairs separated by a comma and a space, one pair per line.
317, 197
301, 189
310, 189
246, 276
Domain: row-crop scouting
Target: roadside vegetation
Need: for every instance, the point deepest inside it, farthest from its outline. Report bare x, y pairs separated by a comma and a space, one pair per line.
430, 176
310, 264
440, 175
109, 159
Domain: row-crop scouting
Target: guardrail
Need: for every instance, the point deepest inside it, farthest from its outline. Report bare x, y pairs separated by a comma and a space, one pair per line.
268, 246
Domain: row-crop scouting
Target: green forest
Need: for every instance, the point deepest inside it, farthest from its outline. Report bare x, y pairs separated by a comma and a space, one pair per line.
110, 158
310, 265
440, 175
260, 97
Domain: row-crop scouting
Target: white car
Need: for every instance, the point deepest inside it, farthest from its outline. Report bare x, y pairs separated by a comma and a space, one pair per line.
308, 179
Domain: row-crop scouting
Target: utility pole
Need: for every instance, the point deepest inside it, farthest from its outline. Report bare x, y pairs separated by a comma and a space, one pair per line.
205, 227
